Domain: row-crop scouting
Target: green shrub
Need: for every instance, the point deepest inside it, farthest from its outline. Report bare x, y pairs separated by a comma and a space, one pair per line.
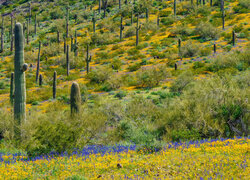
207, 31
182, 81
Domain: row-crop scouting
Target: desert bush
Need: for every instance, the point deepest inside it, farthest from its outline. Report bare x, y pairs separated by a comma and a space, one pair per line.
207, 31
182, 81
151, 76
189, 49
99, 74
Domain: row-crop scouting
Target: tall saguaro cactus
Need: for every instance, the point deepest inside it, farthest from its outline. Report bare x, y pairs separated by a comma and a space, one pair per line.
12, 88
223, 14
54, 85
138, 27
11, 34
121, 27
179, 47
67, 60
27, 31
105, 5
20, 89
67, 22
94, 21
100, 7
174, 7
2, 35
233, 38
40, 80
120, 4
147, 14
29, 13
38, 62
214, 48
88, 59
35, 26
75, 99
158, 19
58, 36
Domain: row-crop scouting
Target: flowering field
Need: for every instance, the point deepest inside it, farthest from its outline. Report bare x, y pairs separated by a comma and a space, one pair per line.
207, 159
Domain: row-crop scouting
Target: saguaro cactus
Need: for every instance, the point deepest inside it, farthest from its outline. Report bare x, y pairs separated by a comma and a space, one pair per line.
223, 14
147, 14
138, 27
11, 34
179, 47
35, 26
211, 3
12, 88
75, 41
67, 22
58, 36
64, 45
38, 62
105, 5
71, 43
67, 60
132, 17
75, 99
100, 7
88, 59
54, 85
40, 80
94, 21
214, 48
2, 35
174, 7
29, 13
121, 27
233, 38
158, 19
28, 32
175, 66
20, 89
120, 4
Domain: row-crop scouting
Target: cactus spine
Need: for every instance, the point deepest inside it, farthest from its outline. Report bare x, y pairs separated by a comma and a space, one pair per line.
2, 35
12, 88
94, 21
88, 59
54, 85
38, 62
121, 27
233, 38
20, 89
138, 27
67, 60
75, 99
40, 80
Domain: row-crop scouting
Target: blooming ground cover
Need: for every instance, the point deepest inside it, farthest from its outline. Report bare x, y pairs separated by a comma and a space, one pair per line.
205, 159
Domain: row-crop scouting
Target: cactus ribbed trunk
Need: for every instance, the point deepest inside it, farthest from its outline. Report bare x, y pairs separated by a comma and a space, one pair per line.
38, 62
54, 85
179, 47
174, 7
121, 28
67, 60
94, 21
35, 24
233, 38
29, 13
20, 89
58, 37
27, 30
40, 80
138, 27
100, 7
2, 35
11, 34
88, 59
67, 22
75, 99
12, 88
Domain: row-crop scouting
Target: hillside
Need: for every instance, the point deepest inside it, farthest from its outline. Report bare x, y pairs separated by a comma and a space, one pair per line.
142, 72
